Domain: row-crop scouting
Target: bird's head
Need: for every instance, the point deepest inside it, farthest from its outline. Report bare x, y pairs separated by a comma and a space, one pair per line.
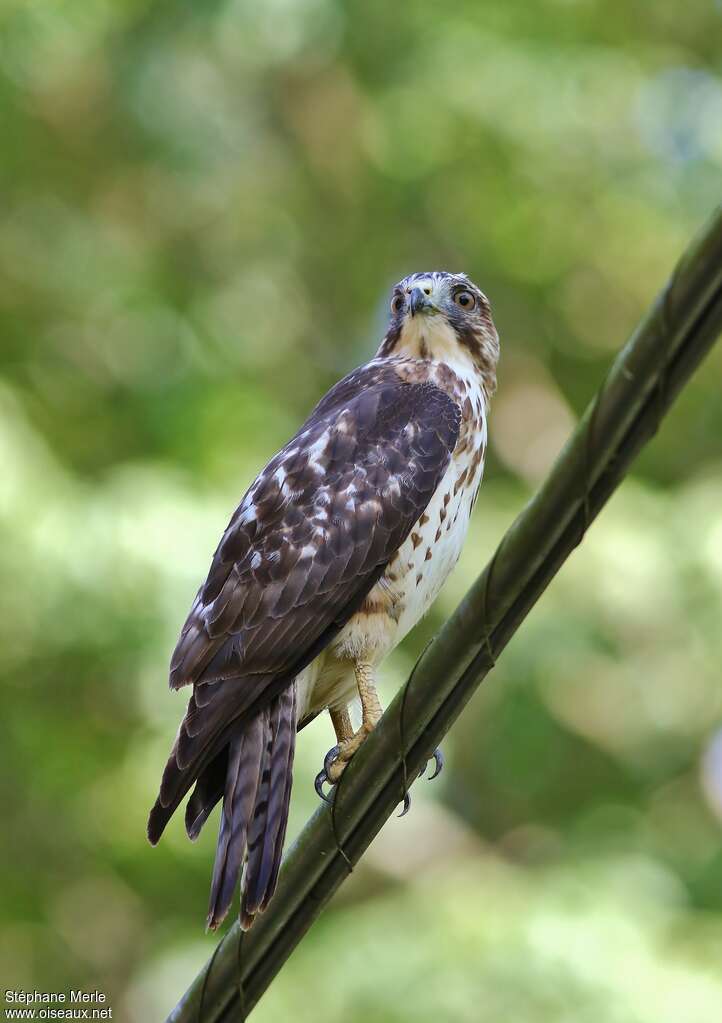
443, 317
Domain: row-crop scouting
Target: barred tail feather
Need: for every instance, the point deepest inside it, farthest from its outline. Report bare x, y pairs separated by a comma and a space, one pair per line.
255, 809
209, 789
282, 817
245, 764
267, 830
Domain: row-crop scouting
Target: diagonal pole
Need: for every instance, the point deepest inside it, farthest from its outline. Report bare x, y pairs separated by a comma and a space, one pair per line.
645, 378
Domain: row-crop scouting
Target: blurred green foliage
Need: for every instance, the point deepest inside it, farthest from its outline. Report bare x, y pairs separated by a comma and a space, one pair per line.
202, 209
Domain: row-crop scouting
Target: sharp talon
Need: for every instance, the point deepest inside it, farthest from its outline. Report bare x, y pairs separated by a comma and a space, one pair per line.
318, 784
439, 762
323, 775
329, 759
438, 758
407, 804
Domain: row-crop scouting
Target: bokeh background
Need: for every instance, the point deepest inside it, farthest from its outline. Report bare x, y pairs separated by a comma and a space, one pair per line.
202, 209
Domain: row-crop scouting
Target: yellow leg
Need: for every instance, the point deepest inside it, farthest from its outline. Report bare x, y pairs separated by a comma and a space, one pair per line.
341, 721
348, 740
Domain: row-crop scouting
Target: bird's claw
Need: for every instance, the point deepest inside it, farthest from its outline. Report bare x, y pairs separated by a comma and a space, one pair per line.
438, 758
330, 758
323, 775
318, 784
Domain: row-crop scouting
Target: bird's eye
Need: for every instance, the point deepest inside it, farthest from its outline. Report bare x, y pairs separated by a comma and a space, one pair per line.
465, 299
397, 303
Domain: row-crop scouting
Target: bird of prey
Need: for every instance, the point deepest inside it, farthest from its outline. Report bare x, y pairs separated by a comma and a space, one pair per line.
337, 549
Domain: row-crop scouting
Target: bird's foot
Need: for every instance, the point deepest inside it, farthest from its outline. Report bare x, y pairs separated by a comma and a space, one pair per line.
335, 761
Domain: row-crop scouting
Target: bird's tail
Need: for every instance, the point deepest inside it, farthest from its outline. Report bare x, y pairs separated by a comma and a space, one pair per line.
258, 766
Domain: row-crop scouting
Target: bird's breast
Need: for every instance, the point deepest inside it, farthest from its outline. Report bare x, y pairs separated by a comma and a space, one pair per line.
422, 564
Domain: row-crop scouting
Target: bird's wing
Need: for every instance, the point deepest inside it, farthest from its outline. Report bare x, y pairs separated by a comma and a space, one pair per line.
310, 538
320, 520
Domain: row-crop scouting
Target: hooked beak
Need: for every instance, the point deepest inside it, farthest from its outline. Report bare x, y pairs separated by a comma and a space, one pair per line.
419, 302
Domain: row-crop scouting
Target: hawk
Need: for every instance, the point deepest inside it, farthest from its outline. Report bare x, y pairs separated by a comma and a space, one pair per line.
335, 552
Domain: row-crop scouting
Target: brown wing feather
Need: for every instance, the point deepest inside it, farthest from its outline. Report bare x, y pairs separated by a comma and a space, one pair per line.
311, 529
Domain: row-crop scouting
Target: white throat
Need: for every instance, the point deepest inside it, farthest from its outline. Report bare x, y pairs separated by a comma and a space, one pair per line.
431, 336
